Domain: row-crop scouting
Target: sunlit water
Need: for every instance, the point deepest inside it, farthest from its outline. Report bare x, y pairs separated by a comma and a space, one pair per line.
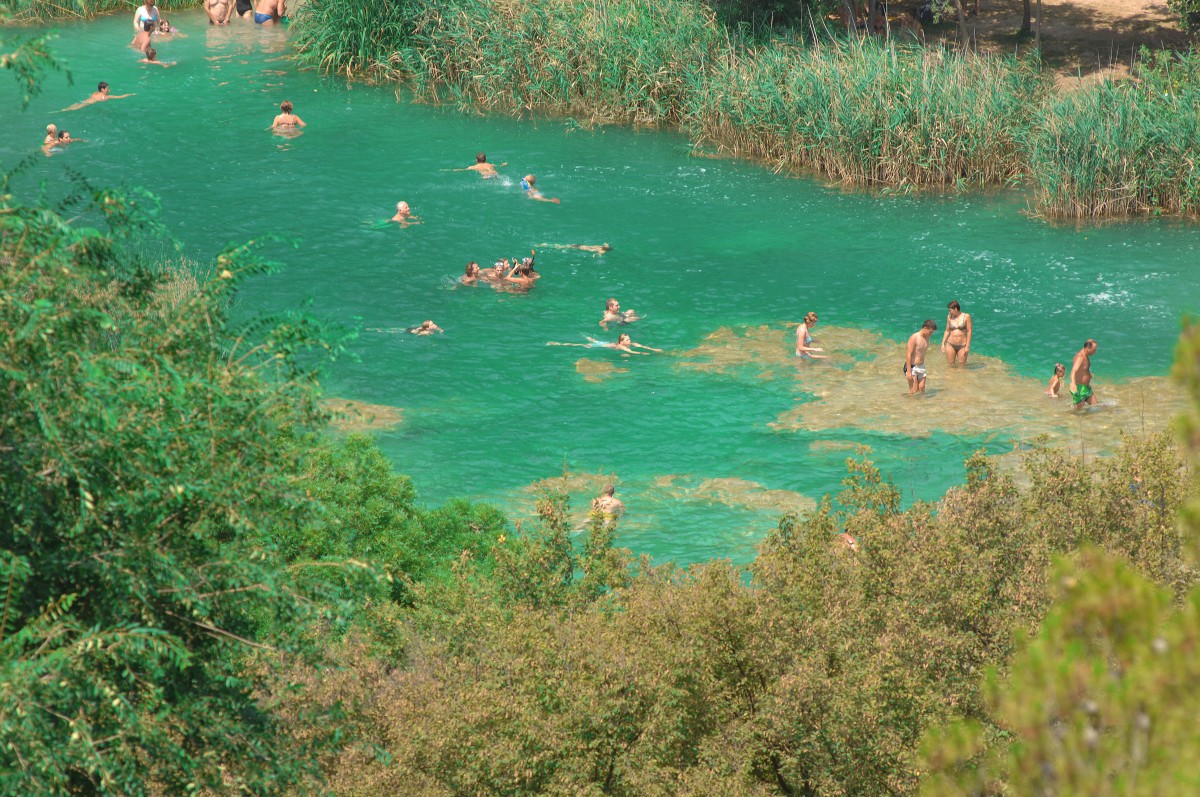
708, 443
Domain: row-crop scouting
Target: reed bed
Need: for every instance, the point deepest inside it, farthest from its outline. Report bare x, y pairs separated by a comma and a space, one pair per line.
872, 113
613, 60
1122, 149
37, 12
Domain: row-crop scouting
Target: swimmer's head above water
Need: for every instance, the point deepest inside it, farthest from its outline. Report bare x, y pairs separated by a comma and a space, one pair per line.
480, 158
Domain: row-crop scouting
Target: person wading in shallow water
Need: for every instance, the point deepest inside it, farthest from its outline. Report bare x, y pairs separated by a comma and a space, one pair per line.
956, 337
914, 356
1081, 375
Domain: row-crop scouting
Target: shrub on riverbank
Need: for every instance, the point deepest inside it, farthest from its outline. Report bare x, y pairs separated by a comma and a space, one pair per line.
819, 675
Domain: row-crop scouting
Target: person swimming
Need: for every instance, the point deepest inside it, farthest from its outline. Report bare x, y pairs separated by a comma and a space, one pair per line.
471, 276
623, 343
426, 327
522, 274
527, 185
101, 94
597, 249
51, 134
481, 167
152, 58
404, 215
804, 347
613, 314
286, 119
1056, 381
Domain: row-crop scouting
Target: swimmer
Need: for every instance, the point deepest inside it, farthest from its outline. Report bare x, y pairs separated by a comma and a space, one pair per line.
495, 274
286, 119
142, 40
522, 275
614, 314
404, 215
608, 505
956, 338
218, 11
64, 137
527, 183
1056, 381
1081, 375
101, 94
146, 12
166, 28
424, 328
51, 135
804, 347
268, 12
914, 356
597, 249
481, 167
152, 58
623, 343
471, 277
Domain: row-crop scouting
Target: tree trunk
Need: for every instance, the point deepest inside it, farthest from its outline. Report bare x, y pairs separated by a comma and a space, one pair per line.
872, 10
965, 43
1037, 42
1025, 14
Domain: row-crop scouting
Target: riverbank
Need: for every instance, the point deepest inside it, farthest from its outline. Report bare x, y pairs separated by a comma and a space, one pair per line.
863, 112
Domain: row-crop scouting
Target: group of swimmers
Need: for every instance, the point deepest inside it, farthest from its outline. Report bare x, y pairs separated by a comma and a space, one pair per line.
956, 345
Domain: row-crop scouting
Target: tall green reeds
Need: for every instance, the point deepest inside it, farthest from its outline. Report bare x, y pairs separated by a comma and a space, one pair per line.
32, 12
872, 113
1122, 149
624, 60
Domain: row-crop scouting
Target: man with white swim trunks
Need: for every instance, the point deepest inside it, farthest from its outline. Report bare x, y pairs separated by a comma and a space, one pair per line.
914, 356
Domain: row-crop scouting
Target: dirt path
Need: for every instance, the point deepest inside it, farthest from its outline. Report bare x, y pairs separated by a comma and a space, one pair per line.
1081, 39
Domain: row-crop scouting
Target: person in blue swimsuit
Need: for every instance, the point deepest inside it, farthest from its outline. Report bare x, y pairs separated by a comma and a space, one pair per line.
527, 185
147, 12
804, 347
268, 12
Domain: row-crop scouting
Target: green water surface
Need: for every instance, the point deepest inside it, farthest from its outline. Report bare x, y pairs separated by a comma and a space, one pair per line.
699, 244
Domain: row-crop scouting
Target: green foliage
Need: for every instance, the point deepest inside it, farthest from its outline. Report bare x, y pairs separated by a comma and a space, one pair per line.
871, 112
28, 59
40, 11
370, 524
144, 608
1101, 700
553, 668
1122, 148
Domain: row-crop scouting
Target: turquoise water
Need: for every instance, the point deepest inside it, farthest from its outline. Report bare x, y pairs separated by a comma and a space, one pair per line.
699, 244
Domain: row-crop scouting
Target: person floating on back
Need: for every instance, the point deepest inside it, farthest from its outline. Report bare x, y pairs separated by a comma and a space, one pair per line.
527, 184
914, 356
1081, 375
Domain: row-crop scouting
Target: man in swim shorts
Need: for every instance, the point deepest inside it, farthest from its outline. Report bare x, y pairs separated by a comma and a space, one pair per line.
914, 356
219, 11
1081, 375
268, 12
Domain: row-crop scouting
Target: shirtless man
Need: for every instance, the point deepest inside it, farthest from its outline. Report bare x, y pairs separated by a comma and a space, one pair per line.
425, 328
614, 314
914, 356
268, 12
1081, 375
608, 505
99, 95
482, 167
219, 11
404, 215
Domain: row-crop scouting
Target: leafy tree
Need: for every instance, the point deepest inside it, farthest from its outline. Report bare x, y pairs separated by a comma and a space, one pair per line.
144, 608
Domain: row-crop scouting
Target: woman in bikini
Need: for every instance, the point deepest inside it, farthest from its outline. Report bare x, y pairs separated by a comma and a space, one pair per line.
956, 339
804, 347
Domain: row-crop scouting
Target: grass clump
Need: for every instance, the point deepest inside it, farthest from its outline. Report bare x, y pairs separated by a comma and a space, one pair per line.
1122, 149
872, 113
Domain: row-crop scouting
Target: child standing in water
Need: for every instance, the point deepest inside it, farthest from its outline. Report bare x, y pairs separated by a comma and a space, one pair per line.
1056, 381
